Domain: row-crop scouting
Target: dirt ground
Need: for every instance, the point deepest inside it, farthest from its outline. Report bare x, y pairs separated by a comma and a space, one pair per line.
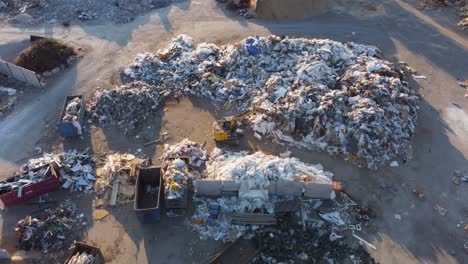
431, 45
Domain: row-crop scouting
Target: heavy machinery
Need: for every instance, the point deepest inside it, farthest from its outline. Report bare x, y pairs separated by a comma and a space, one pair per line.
227, 129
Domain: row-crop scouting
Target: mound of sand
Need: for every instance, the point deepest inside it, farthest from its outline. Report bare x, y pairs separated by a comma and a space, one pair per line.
300, 9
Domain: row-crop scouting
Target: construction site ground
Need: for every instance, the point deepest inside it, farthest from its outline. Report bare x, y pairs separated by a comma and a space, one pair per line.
432, 45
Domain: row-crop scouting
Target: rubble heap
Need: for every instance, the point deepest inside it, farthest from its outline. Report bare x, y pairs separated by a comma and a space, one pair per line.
320, 94
258, 169
49, 230
127, 105
72, 110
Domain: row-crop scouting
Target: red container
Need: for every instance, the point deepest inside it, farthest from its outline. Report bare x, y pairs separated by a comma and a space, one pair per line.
30, 191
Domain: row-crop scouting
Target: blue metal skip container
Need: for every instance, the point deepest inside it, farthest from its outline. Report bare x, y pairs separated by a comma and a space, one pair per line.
148, 190
67, 129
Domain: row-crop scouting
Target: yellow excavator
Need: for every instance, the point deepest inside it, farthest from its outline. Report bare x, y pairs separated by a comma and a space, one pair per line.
227, 129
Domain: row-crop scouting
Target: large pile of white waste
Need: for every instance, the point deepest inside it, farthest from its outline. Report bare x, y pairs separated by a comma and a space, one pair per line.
316, 93
258, 169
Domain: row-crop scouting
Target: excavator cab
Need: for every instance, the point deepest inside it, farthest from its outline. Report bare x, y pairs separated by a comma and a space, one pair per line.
227, 129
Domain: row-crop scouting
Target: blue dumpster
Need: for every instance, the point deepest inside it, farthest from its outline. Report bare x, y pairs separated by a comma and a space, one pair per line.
148, 190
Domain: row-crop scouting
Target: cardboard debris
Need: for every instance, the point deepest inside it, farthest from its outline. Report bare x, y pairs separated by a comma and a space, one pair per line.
100, 214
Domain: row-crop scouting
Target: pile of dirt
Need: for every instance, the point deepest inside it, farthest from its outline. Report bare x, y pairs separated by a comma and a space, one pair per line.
44, 55
300, 9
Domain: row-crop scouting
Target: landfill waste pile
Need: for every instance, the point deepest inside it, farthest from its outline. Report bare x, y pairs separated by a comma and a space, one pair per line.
116, 179
76, 168
82, 258
319, 94
51, 229
328, 232
58, 11
72, 110
258, 169
127, 105
178, 162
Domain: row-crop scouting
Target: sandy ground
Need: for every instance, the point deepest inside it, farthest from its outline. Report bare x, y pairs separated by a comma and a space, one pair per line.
434, 48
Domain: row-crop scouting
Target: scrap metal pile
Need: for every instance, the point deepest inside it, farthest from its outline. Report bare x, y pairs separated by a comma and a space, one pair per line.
127, 105
319, 94
49, 230
72, 110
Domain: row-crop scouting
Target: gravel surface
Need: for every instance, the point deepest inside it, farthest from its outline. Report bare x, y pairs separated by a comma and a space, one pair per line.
75, 11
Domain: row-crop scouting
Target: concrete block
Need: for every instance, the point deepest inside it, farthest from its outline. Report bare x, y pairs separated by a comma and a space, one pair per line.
208, 187
318, 190
289, 188
272, 187
230, 186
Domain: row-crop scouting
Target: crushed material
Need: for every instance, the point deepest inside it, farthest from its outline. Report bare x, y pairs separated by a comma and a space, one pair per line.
126, 106
44, 55
72, 110
82, 258
319, 94
49, 230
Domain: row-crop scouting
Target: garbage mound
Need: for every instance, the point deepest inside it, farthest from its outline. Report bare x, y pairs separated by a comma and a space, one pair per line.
127, 105
176, 178
259, 168
331, 96
50, 229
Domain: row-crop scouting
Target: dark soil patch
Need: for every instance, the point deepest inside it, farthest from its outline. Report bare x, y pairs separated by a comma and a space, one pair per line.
44, 55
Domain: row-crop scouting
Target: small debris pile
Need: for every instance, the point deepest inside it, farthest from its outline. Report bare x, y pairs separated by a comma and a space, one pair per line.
49, 230
258, 169
126, 106
176, 179
117, 178
319, 94
82, 258
72, 110
178, 162
192, 151
76, 168
221, 228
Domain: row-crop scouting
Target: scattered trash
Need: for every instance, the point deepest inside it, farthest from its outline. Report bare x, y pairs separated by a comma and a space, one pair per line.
9, 91
195, 154
442, 211
397, 216
419, 76
394, 164
49, 229
321, 93
419, 194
